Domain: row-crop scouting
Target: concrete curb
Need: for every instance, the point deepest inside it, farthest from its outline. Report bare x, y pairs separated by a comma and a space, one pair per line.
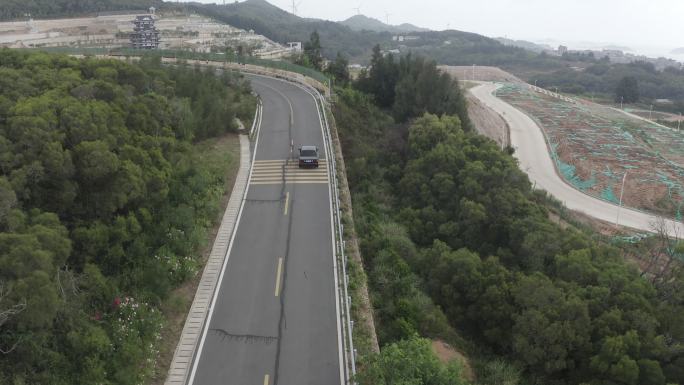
192, 330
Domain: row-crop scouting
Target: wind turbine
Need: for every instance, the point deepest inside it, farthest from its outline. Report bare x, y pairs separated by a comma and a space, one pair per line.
387, 15
295, 6
358, 9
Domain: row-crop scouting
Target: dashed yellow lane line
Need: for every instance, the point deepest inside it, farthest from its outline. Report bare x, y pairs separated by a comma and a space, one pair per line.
266, 379
287, 202
278, 272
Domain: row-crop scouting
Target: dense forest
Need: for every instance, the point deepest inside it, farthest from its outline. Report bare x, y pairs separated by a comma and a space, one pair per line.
104, 203
454, 239
18, 9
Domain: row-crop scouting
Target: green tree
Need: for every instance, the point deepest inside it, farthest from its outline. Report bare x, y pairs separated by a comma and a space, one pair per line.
410, 362
614, 361
312, 50
338, 69
627, 90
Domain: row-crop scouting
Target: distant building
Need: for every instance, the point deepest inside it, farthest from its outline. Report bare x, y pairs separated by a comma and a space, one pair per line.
295, 46
145, 35
401, 38
562, 50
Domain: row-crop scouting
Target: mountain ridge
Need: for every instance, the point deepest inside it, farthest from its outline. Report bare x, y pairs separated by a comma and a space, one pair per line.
362, 22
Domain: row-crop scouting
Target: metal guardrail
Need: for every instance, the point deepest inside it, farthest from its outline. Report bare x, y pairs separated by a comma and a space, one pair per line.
257, 118
347, 322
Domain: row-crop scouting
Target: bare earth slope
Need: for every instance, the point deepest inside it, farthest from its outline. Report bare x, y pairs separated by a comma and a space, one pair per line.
533, 155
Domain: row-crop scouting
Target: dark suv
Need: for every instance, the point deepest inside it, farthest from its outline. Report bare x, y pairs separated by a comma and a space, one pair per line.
308, 156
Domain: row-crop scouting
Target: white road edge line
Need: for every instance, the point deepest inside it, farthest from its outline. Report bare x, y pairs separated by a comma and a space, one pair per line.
207, 322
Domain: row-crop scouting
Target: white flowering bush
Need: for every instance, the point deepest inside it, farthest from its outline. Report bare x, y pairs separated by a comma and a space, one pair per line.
136, 333
179, 268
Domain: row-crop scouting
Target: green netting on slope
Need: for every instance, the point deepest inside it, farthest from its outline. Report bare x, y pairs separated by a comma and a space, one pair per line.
673, 186
607, 194
636, 238
592, 136
568, 172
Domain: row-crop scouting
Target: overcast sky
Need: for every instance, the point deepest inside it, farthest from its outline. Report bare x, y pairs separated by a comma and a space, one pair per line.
633, 23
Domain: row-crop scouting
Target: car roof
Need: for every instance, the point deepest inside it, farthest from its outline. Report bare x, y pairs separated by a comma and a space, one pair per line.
314, 148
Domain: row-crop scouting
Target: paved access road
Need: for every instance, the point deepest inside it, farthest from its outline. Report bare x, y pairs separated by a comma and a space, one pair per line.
533, 155
275, 317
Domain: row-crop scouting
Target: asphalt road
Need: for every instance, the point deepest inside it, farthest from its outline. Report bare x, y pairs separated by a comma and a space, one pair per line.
533, 155
275, 317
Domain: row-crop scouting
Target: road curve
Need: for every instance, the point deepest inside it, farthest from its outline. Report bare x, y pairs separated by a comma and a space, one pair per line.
532, 153
274, 317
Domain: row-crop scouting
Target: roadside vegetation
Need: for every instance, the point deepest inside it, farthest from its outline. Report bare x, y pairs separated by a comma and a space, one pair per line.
105, 203
457, 246
19, 9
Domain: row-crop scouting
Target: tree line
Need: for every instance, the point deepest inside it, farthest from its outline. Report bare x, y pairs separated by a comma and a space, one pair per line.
454, 239
634, 82
411, 86
104, 203
20, 9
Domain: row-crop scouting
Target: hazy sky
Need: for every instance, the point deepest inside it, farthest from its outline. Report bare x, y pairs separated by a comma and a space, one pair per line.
634, 23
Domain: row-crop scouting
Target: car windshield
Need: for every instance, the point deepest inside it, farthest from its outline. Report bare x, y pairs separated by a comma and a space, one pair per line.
308, 153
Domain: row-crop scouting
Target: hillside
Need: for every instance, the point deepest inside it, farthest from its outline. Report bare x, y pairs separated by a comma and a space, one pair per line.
365, 23
524, 44
281, 26
16, 9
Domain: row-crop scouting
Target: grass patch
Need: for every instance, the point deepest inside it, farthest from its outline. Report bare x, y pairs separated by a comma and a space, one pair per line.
221, 156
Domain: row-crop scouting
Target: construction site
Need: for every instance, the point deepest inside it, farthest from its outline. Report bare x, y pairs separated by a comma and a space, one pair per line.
605, 152
175, 31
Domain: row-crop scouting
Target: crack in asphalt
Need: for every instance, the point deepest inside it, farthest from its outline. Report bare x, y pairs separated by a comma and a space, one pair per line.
247, 338
282, 321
